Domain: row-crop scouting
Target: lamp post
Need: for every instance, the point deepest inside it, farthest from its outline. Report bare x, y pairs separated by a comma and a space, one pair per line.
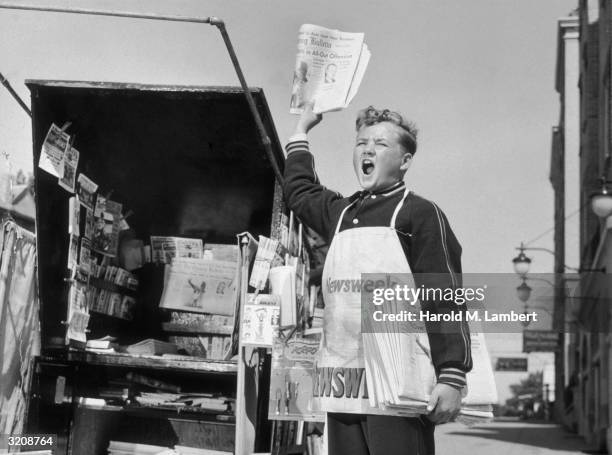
521, 265
546, 403
601, 204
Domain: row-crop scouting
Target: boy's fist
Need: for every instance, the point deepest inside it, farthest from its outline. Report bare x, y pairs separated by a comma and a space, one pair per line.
307, 119
444, 404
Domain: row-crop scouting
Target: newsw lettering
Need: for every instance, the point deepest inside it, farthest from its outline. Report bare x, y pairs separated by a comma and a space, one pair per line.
358, 285
339, 382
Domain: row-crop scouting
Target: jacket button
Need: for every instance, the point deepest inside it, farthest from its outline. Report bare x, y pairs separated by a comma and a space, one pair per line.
355, 221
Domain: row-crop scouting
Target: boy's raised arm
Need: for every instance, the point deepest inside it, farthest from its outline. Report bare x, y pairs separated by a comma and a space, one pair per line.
315, 205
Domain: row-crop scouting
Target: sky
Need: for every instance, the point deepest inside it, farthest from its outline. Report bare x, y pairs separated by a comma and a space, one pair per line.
477, 77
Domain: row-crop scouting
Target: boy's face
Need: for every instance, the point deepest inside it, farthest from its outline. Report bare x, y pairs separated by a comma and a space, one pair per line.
379, 159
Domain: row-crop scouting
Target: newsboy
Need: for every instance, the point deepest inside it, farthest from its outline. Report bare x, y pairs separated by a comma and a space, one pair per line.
383, 228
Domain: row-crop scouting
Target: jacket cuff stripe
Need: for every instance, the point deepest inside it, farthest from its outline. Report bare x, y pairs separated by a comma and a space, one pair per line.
297, 145
453, 377
457, 385
453, 370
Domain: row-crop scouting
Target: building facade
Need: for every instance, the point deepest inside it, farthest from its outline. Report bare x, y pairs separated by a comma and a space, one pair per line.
564, 178
587, 295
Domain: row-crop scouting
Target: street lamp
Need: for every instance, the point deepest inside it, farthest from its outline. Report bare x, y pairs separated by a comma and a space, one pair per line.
525, 323
601, 202
521, 263
523, 291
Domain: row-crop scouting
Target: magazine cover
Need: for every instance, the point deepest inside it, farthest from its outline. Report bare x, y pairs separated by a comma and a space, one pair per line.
107, 218
293, 379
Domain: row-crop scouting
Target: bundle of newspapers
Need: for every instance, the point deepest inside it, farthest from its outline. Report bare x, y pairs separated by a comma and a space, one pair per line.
401, 377
329, 67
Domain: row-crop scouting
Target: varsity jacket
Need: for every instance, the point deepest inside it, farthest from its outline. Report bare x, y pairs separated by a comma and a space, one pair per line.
427, 241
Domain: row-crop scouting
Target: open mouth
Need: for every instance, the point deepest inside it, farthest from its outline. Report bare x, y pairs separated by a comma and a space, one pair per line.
367, 167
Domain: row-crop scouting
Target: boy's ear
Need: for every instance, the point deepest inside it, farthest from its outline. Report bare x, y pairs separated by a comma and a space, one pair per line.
406, 161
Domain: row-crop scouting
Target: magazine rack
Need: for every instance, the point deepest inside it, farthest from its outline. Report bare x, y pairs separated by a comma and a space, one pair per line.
187, 161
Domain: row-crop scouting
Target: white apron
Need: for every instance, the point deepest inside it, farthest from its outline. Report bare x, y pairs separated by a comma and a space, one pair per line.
339, 383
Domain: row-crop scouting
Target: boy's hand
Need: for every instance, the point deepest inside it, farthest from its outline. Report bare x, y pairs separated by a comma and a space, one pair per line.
307, 119
444, 404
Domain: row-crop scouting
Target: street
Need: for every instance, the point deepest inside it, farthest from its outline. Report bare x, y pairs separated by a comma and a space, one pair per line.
507, 438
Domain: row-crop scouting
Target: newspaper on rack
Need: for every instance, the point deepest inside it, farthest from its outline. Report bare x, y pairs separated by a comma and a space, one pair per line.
86, 191
293, 379
74, 216
283, 284
90, 224
85, 256
164, 249
266, 251
68, 169
78, 324
73, 251
260, 319
200, 286
329, 68
107, 217
53, 149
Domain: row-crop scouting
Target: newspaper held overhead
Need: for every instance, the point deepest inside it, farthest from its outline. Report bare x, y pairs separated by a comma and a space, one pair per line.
329, 68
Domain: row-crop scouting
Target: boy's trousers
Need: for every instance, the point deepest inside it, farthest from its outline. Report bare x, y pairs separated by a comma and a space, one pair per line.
354, 434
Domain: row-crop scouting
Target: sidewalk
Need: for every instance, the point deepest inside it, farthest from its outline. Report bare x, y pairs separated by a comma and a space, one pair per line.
507, 438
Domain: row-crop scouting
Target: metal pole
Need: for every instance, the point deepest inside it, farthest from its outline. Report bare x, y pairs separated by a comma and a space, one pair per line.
7, 85
92, 12
265, 139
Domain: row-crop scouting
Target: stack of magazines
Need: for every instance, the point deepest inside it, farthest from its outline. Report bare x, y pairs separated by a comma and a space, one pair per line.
184, 450
129, 448
400, 375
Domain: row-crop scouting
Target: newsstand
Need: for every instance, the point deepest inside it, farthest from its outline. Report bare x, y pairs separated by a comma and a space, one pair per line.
185, 162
